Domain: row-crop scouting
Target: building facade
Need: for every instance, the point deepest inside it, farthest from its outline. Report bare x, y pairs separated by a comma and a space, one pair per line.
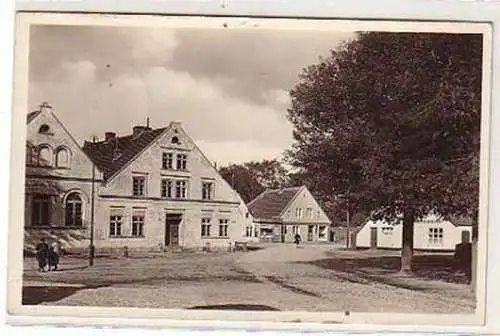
432, 233
278, 215
153, 189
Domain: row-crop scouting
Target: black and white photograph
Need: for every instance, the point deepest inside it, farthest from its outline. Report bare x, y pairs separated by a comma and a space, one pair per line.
233, 165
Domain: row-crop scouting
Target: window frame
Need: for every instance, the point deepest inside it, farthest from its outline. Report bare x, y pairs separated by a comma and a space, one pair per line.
39, 201
206, 224
183, 194
115, 225
167, 191
223, 227
138, 222
166, 161
135, 178
70, 205
211, 188
181, 161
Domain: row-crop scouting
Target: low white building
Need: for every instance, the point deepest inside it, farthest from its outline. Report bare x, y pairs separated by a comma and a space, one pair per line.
431, 233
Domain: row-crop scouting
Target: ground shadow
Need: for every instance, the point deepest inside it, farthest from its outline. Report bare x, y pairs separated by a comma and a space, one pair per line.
426, 267
235, 307
34, 295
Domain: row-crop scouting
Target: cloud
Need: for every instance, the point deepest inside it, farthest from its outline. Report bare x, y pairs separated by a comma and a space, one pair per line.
229, 88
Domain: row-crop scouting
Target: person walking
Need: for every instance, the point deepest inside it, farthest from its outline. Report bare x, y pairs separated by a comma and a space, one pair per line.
54, 256
42, 254
297, 239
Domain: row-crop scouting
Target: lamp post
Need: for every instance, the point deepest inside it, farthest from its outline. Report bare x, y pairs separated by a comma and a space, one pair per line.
92, 206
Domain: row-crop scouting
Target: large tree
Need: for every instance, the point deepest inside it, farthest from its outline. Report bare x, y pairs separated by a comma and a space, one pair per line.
391, 121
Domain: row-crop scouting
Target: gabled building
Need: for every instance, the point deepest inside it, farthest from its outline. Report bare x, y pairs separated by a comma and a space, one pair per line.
58, 184
278, 215
432, 233
154, 189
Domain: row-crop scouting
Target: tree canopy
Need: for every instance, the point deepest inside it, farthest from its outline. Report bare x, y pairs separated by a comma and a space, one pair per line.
251, 178
392, 121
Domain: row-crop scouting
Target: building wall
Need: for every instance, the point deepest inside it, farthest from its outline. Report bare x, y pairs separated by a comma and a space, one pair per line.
391, 236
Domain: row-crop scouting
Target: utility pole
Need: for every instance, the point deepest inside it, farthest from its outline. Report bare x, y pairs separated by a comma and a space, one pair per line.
91, 247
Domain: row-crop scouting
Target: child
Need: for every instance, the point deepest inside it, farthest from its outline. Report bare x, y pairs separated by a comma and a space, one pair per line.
54, 256
297, 240
42, 251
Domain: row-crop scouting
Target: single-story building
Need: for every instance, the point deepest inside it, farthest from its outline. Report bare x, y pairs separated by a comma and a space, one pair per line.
280, 214
431, 233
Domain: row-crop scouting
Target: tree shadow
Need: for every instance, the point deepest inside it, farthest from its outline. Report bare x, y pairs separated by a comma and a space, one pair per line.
426, 267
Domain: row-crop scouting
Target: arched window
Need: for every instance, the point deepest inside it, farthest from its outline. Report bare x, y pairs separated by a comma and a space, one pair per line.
73, 210
62, 158
44, 129
44, 156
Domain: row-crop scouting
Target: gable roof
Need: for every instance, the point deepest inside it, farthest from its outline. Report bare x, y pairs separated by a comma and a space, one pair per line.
271, 203
110, 156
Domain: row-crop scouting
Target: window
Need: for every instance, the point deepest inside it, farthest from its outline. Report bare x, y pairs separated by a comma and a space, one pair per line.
180, 189
139, 186
73, 210
206, 190
317, 214
249, 231
223, 224
309, 212
167, 161
205, 227
44, 156
295, 229
298, 212
62, 158
115, 226
435, 236
181, 161
41, 210
175, 140
138, 223
30, 155
166, 188
256, 232
44, 129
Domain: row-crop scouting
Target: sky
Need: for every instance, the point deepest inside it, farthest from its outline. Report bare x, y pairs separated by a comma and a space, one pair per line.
228, 88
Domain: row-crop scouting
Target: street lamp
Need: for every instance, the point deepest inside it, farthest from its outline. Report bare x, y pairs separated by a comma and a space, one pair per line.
92, 206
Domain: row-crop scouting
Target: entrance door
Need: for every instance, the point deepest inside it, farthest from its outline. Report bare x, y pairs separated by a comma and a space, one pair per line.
310, 232
172, 222
373, 237
465, 236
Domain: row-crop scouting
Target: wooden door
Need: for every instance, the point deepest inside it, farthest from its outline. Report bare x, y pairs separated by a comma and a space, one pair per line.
373, 237
172, 223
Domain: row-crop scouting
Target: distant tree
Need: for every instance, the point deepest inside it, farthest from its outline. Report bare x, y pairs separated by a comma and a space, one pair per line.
391, 121
252, 178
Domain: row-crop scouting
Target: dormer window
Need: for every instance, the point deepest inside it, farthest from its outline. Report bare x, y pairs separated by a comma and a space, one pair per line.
44, 129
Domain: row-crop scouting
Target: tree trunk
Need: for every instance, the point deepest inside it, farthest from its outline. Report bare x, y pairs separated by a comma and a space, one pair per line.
407, 241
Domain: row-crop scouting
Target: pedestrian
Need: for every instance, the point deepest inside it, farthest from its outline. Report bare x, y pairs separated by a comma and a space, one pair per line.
54, 256
297, 239
42, 254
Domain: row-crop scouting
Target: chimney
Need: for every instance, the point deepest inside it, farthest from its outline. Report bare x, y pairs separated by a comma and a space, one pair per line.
136, 130
215, 164
109, 135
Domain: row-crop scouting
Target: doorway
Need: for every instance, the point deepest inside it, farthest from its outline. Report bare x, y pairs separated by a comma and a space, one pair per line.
465, 236
310, 232
172, 223
373, 237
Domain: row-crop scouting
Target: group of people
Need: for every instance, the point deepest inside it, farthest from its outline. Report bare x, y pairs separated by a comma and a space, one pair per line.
47, 256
